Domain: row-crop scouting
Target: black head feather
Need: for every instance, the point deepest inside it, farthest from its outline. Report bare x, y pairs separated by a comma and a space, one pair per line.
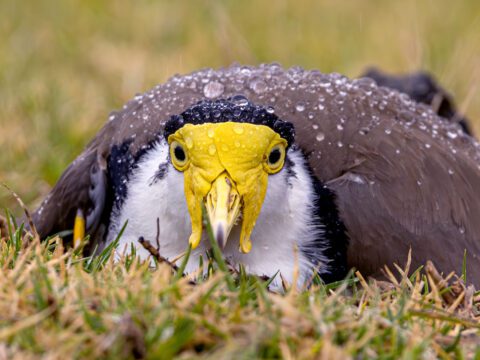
234, 109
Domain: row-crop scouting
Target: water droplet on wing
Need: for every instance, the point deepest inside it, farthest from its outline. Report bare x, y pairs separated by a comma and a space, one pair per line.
300, 107
259, 86
213, 89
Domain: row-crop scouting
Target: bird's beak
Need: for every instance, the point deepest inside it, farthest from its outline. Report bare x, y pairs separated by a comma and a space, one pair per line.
223, 203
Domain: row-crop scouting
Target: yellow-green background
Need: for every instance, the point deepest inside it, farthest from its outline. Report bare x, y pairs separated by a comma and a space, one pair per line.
65, 64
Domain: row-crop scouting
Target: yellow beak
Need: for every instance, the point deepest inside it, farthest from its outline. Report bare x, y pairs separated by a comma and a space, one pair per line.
223, 203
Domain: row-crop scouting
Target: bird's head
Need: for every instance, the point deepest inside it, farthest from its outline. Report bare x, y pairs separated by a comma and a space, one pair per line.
226, 150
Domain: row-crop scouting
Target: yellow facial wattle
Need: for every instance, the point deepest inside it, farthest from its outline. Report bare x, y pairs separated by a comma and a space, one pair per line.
226, 166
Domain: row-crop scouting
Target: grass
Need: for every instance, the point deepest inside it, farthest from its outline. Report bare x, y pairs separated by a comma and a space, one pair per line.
65, 64
54, 303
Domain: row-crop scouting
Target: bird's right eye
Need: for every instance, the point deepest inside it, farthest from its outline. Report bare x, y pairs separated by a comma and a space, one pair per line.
275, 159
178, 155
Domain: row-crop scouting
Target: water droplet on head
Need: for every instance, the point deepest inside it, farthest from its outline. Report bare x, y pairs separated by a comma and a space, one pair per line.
210, 133
270, 110
212, 149
213, 89
189, 142
240, 100
238, 129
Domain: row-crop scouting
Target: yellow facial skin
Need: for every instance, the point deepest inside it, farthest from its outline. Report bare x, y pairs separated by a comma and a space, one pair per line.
226, 165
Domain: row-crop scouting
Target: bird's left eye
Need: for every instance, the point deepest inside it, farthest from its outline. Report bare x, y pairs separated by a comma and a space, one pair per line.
275, 159
178, 155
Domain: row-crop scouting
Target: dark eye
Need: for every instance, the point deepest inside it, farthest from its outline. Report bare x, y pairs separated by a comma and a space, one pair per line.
275, 159
179, 156
274, 156
179, 153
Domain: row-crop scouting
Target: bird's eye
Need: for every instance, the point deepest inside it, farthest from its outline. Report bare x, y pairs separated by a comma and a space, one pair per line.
178, 155
276, 158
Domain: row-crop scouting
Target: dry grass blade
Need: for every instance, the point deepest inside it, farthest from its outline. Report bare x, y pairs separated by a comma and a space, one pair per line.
25, 323
128, 309
448, 293
31, 225
147, 245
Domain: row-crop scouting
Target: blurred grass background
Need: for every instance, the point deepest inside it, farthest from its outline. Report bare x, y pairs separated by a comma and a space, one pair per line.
64, 65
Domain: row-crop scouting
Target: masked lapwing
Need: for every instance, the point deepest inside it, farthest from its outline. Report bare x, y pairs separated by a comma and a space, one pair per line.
294, 169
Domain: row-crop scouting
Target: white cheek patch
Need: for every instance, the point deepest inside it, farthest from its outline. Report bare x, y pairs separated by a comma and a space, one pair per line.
150, 198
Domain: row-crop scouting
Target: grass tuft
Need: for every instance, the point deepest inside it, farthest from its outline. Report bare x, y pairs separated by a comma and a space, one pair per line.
56, 303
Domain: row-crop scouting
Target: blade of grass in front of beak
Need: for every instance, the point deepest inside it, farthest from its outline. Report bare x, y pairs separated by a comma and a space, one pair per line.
223, 207
217, 253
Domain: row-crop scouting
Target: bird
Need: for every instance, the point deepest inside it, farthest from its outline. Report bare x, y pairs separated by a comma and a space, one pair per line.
298, 173
422, 88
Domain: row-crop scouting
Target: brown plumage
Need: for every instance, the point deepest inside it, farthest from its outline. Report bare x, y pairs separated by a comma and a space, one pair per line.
403, 177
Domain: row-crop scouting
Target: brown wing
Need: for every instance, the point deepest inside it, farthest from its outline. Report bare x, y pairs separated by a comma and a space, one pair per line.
403, 178
82, 186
